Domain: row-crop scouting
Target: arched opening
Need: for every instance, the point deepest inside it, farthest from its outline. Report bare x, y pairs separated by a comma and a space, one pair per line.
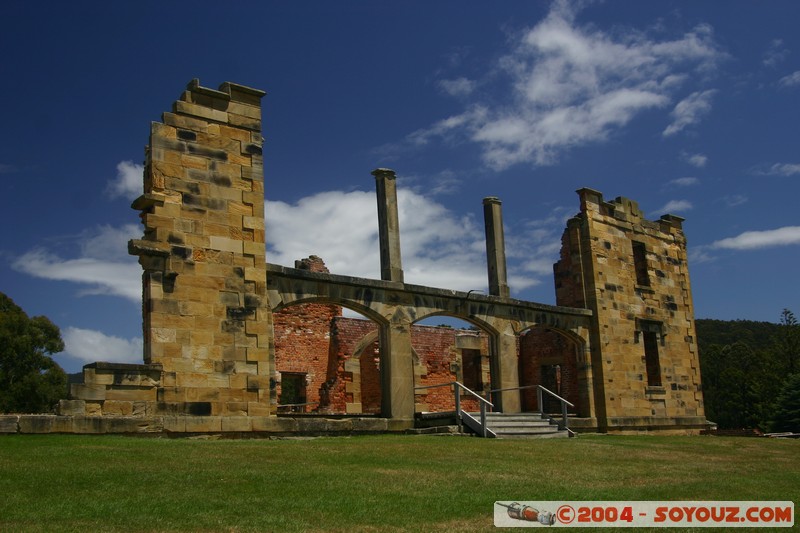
548, 357
327, 360
447, 349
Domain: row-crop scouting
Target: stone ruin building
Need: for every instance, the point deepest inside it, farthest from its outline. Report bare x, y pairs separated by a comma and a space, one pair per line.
233, 344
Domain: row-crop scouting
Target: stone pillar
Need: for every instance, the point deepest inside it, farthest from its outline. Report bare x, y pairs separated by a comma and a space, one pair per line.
206, 316
495, 247
507, 369
397, 370
388, 225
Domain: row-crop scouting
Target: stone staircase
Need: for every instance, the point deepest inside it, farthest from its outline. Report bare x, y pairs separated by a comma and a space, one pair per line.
521, 426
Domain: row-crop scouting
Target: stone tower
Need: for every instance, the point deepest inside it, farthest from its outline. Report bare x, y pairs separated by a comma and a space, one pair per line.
632, 273
205, 312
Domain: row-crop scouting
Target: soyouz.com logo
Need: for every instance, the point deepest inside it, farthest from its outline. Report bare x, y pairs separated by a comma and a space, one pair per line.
643, 514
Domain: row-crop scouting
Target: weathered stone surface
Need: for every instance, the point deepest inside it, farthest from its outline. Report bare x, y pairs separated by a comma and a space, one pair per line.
9, 423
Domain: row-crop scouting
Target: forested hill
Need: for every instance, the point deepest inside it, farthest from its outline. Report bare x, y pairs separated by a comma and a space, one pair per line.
725, 332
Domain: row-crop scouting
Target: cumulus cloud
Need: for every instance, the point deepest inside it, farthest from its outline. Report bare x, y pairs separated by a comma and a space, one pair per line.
689, 111
439, 248
684, 182
89, 345
128, 182
696, 160
751, 240
676, 206
457, 87
103, 265
792, 80
572, 85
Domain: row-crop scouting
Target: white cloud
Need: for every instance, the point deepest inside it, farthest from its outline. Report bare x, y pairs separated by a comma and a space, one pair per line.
573, 85
89, 346
734, 200
792, 80
696, 160
684, 182
7, 169
457, 87
775, 54
438, 248
128, 182
103, 265
781, 169
676, 206
751, 240
689, 111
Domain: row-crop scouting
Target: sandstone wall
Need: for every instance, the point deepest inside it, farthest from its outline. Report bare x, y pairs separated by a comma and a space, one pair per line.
598, 270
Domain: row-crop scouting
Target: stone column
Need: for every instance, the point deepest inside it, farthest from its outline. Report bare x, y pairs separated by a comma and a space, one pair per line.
495, 247
388, 225
397, 371
507, 369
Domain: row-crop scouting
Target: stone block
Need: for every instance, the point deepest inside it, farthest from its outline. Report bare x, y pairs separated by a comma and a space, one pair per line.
255, 409
354, 408
36, 423
72, 407
174, 424
9, 423
88, 391
185, 122
203, 424
236, 423
117, 408
197, 111
225, 244
378, 425
131, 394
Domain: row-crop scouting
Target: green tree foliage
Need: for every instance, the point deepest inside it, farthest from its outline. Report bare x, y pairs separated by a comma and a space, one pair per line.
790, 342
787, 409
30, 381
744, 364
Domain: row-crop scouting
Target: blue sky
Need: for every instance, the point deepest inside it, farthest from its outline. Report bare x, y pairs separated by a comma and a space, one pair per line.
686, 107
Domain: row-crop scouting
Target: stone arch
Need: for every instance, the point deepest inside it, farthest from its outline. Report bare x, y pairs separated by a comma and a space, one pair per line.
446, 354
307, 336
551, 357
351, 304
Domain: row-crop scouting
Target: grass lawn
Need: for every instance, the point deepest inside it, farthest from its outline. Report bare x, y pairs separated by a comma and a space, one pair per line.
369, 483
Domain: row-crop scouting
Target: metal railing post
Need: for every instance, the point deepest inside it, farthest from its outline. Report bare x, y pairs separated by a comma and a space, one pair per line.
540, 401
564, 415
483, 419
457, 394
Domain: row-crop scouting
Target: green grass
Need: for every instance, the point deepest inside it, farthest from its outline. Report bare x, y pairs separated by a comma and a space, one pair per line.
370, 483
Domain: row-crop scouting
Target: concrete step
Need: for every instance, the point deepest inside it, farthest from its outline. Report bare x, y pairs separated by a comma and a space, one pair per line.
521, 425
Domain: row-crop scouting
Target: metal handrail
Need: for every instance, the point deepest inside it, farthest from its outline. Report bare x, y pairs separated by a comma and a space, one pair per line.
564, 404
540, 402
459, 412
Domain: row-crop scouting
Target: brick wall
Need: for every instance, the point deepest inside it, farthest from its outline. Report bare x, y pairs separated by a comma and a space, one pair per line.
302, 341
546, 350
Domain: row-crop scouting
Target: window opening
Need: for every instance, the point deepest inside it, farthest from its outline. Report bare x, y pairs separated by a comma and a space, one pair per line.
651, 359
640, 263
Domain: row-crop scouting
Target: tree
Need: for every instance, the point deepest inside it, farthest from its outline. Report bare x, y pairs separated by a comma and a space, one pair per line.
790, 341
787, 408
30, 381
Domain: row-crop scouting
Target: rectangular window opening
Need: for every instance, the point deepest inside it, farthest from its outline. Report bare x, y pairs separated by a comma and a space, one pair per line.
293, 391
651, 359
640, 263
